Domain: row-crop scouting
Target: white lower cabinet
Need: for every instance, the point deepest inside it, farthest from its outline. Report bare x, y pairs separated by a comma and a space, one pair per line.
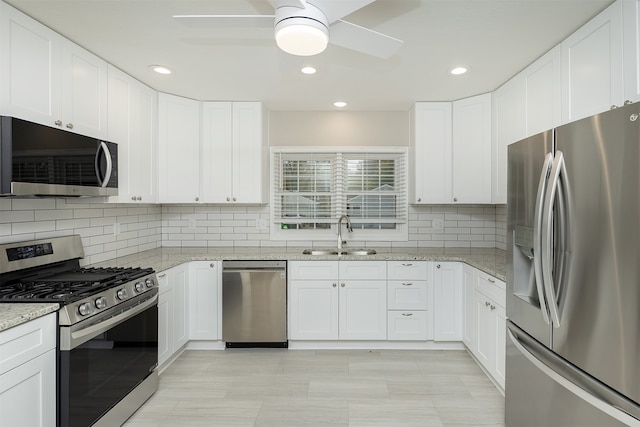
28, 373
485, 321
204, 292
447, 297
173, 318
409, 301
331, 300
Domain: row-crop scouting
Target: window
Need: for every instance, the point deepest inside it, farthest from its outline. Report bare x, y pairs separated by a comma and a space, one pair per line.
312, 189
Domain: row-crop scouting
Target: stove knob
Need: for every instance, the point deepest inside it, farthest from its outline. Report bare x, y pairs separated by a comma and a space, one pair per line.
139, 287
149, 283
101, 303
84, 309
122, 294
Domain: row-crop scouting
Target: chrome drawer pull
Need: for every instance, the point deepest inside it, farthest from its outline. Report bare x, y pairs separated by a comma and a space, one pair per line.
407, 284
407, 314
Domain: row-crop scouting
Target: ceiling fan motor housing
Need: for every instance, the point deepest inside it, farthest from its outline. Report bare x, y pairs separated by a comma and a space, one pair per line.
301, 31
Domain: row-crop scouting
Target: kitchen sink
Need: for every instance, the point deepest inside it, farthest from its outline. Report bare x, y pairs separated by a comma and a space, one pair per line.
340, 252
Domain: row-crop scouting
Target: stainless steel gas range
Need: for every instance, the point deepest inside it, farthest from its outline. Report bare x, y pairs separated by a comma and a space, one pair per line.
108, 327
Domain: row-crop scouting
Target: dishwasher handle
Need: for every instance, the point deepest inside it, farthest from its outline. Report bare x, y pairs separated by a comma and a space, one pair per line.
236, 266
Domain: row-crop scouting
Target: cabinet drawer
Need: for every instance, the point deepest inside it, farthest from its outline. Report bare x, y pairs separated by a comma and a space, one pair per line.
402, 270
492, 288
363, 270
27, 341
409, 326
407, 295
313, 270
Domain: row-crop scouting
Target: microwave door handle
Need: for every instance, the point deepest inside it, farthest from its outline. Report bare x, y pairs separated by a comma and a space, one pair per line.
537, 236
103, 150
547, 237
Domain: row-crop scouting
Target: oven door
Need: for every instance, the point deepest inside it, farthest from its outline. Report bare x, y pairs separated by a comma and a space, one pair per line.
103, 360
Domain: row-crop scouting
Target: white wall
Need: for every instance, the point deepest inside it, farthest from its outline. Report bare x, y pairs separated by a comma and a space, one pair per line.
339, 128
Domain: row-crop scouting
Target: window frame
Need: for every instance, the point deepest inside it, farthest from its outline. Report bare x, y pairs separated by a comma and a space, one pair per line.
399, 233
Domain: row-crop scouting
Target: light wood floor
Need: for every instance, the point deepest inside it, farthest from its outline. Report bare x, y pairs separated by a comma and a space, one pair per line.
270, 387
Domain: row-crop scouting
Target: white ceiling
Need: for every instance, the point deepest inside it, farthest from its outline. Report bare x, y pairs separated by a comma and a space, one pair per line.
495, 38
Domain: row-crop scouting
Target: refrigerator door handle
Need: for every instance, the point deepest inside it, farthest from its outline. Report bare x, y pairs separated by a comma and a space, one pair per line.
609, 409
537, 236
557, 169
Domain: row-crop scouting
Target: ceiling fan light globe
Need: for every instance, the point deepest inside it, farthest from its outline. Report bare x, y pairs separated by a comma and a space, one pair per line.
301, 36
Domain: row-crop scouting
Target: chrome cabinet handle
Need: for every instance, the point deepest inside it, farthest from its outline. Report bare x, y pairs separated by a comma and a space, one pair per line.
234, 199
58, 122
438, 266
133, 197
493, 307
69, 125
139, 198
419, 199
162, 274
334, 285
407, 284
407, 314
211, 265
491, 280
407, 265
342, 285
197, 199
455, 199
487, 303
228, 199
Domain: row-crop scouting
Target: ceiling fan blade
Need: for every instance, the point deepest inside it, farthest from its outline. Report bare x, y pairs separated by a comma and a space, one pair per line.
337, 9
291, 3
226, 21
355, 37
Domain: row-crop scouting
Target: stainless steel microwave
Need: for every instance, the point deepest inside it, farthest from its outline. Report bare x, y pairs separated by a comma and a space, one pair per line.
37, 160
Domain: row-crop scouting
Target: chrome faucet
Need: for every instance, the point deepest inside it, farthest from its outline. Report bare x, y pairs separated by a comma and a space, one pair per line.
349, 229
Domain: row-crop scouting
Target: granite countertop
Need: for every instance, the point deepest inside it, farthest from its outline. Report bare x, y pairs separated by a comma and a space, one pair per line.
15, 314
491, 261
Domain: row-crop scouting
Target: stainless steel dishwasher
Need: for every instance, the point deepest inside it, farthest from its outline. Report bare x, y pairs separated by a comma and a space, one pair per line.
254, 303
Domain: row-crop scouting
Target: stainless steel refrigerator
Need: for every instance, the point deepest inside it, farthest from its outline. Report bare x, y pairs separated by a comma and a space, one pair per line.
573, 274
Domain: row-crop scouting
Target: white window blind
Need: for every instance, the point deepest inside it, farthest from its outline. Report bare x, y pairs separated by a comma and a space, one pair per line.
311, 190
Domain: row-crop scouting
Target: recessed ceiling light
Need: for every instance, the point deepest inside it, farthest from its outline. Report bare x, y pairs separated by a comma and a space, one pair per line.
340, 104
308, 70
458, 71
160, 69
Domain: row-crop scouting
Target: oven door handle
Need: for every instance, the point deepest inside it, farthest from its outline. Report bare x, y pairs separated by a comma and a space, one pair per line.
75, 338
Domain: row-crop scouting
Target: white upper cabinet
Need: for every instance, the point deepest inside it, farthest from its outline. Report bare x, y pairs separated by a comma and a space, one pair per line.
592, 63
49, 80
451, 148
542, 82
508, 127
179, 149
631, 24
235, 152
132, 125
471, 155
431, 152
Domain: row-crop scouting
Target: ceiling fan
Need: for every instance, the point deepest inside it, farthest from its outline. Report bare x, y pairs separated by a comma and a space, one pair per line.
304, 27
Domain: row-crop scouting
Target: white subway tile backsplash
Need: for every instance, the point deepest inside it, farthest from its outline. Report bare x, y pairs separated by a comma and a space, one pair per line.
143, 227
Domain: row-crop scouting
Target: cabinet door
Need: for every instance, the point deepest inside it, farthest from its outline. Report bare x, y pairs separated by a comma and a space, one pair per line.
631, 53
179, 149
592, 77
203, 300
486, 331
469, 278
28, 393
30, 68
84, 91
430, 171
408, 325
144, 152
447, 302
363, 310
471, 156
180, 283
217, 152
542, 84
362, 270
250, 160
508, 127
313, 310
498, 370
165, 325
